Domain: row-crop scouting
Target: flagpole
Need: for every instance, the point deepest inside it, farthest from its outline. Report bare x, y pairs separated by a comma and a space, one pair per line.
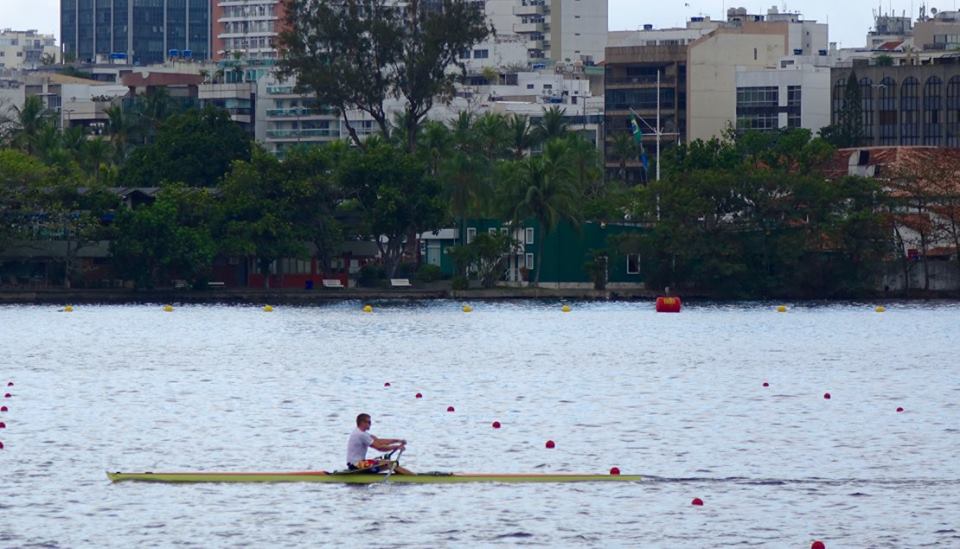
658, 125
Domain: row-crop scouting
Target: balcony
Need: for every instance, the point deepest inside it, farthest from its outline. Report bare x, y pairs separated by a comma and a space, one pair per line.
535, 45
526, 28
303, 134
531, 8
299, 112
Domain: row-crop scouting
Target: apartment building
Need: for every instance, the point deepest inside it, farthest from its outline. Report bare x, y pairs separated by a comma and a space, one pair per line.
246, 29
561, 31
27, 49
131, 31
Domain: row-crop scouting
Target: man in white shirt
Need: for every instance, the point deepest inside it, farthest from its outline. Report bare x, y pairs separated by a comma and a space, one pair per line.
360, 439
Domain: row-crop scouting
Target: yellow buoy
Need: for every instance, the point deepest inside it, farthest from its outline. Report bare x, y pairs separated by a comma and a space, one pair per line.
68, 309
367, 309
565, 308
781, 308
467, 309
168, 308
267, 309
880, 309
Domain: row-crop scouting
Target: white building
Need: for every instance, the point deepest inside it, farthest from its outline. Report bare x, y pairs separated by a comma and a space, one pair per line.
26, 49
563, 31
794, 95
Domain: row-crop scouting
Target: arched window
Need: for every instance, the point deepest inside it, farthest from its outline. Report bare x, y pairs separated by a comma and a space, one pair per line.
909, 112
866, 95
838, 88
953, 112
933, 111
887, 115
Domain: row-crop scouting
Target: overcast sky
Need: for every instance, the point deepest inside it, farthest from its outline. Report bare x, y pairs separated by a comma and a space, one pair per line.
849, 19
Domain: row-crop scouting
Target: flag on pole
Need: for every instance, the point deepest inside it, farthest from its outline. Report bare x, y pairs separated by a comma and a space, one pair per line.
636, 131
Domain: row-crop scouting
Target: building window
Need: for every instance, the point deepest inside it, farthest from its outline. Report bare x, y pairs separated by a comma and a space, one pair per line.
633, 264
953, 112
481, 54
471, 234
529, 262
866, 107
933, 111
761, 96
528, 236
909, 112
492, 231
887, 116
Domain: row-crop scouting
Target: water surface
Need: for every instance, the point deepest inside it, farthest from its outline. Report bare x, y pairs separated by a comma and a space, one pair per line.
678, 398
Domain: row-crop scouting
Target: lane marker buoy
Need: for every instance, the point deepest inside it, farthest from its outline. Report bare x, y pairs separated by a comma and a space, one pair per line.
781, 309
697, 501
899, 409
826, 396
450, 409
496, 424
565, 308
387, 384
367, 309
550, 444
168, 308
267, 309
818, 545
765, 384
419, 395
614, 471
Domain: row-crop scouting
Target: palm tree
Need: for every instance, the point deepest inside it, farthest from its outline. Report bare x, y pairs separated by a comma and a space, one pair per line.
492, 133
522, 135
461, 129
435, 144
120, 127
29, 122
95, 154
624, 148
585, 162
553, 124
542, 187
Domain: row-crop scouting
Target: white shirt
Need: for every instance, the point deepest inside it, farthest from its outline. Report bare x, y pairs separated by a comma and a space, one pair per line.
357, 446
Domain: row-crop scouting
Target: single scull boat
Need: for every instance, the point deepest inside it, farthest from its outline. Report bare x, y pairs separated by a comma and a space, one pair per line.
367, 478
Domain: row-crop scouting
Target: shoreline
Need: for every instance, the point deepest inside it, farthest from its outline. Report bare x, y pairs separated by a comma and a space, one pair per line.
60, 296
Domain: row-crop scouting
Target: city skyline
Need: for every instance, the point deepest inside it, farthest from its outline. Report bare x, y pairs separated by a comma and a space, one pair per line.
44, 15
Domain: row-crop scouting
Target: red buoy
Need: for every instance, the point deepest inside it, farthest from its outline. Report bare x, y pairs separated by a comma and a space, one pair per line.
7, 395
3, 425
387, 384
419, 395
765, 384
1, 446
666, 304
3, 408
899, 408
9, 384
614, 471
826, 396
550, 444
697, 501
818, 545
450, 409
496, 424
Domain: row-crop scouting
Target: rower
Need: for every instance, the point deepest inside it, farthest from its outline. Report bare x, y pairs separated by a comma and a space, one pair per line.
360, 439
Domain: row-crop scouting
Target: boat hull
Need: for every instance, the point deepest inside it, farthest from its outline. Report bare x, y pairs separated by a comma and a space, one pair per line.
355, 478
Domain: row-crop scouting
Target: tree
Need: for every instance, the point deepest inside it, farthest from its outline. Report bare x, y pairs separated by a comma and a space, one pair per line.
542, 188
195, 148
29, 123
360, 53
848, 130
394, 196
169, 239
624, 149
19, 172
486, 256
491, 133
522, 135
256, 219
553, 125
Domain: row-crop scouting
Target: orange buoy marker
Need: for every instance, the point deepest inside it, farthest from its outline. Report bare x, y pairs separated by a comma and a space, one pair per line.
387, 384
496, 424
550, 444
899, 409
697, 501
818, 545
666, 304
826, 396
419, 395
614, 471
450, 409
765, 384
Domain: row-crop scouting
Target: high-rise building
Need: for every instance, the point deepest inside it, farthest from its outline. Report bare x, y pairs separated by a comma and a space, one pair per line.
564, 31
138, 32
246, 29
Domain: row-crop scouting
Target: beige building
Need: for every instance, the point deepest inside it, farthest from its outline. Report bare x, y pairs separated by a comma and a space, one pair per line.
26, 49
712, 64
